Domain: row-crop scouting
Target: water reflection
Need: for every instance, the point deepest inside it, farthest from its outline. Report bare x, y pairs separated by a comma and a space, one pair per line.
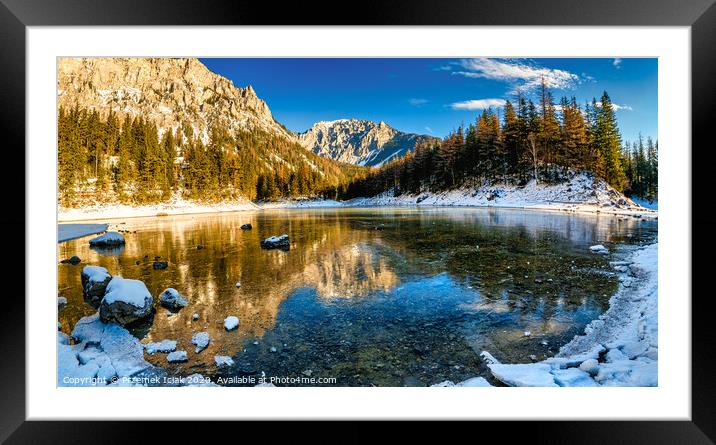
374, 296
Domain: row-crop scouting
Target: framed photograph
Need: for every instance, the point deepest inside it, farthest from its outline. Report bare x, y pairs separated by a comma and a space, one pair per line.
477, 213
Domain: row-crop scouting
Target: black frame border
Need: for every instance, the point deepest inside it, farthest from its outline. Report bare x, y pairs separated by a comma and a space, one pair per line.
700, 15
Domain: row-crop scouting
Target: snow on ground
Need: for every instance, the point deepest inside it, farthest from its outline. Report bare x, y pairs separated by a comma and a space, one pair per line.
473, 382
175, 206
581, 193
302, 204
620, 348
66, 232
653, 205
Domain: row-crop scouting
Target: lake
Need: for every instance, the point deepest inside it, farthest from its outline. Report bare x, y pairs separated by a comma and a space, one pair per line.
366, 296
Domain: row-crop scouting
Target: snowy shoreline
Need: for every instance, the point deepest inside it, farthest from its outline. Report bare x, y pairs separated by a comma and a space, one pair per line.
581, 194
620, 348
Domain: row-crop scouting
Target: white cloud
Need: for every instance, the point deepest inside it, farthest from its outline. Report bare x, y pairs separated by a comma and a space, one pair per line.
617, 62
617, 107
417, 102
521, 75
477, 104
428, 129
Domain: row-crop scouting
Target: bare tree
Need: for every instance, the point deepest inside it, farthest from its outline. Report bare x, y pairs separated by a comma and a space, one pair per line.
532, 139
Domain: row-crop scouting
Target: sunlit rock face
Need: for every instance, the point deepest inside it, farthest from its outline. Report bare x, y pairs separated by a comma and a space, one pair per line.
170, 92
359, 142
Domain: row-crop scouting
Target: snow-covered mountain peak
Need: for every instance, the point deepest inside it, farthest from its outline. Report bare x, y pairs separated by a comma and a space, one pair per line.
358, 141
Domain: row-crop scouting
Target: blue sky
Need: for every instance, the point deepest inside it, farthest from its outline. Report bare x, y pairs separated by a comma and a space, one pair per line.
434, 96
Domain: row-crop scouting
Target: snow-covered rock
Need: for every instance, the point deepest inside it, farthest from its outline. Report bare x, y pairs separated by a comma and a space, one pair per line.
531, 374
200, 340
246, 226
223, 360
162, 346
108, 239
276, 242
573, 377
101, 352
590, 366
599, 249
195, 316
177, 357
94, 284
125, 301
61, 301
231, 322
172, 299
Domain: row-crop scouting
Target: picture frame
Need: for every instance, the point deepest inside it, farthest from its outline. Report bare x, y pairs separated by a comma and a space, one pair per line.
17, 15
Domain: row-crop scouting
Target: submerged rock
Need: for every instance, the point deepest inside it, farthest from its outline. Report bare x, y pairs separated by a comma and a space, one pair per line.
94, 284
172, 299
276, 242
246, 226
160, 265
109, 239
125, 301
74, 260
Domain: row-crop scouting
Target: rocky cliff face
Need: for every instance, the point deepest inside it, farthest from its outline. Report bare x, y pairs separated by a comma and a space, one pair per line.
358, 141
169, 91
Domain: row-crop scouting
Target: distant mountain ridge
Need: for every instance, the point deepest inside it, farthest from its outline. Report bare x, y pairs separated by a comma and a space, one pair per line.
360, 142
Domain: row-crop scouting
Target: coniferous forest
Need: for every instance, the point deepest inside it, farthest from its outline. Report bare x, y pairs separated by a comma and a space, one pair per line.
520, 142
103, 159
108, 159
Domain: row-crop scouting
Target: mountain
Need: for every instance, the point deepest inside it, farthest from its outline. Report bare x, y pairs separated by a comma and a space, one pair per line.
170, 92
143, 130
358, 142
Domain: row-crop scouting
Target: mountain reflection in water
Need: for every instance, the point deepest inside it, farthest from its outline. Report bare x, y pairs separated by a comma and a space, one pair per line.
370, 296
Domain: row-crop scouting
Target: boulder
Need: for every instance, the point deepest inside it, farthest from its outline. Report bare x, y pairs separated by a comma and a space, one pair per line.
276, 242
172, 299
108, 239
125, 301
74, 260
246, 226
94, 284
